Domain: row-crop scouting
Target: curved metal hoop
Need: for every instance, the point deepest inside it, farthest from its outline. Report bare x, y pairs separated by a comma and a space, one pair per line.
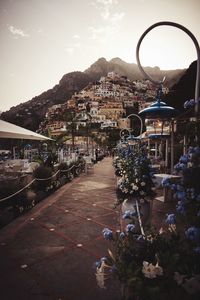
197, 49
141, 123
123, 129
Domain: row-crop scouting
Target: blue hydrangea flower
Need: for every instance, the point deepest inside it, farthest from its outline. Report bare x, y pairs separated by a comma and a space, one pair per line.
191, 150
113, 269
108, 234
189, 103
130, 228
193, 233
166, 182
183, 159
171, 219
129, 214
179, 166
197, 250
180, 188
103, 259
197, 150
122, 235
180, 209
140, 237
180, 195
174, 187
97, 264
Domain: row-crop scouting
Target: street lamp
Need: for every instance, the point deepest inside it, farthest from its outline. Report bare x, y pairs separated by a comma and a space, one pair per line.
88, 123
160, 110
157, 118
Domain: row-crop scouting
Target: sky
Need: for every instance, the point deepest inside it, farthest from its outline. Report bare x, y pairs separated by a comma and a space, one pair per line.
41, 40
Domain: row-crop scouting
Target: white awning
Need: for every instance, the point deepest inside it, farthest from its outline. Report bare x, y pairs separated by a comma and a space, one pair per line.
11, 131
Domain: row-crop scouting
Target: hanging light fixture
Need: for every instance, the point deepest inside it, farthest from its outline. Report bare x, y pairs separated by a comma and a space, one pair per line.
157, 116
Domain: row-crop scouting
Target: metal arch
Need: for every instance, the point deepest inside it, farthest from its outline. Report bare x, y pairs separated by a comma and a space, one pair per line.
197, 49
141, 123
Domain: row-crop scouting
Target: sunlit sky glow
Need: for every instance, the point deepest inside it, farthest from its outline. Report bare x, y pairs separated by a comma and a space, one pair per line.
41, 40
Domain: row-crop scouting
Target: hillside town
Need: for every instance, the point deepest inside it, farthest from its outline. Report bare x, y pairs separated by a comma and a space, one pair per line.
104, 104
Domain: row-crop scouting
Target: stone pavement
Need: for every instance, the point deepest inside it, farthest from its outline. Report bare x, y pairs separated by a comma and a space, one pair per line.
49, 252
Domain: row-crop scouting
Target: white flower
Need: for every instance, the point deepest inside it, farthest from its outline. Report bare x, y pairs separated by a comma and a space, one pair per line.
161, 231
101, 275
149, 238
134, 186
119, 181
151, 271
143, 183
172, 228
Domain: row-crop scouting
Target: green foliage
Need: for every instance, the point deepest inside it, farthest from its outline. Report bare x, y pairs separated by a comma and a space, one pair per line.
42, 172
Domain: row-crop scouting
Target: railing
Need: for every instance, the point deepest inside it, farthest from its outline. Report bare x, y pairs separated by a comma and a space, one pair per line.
74, 170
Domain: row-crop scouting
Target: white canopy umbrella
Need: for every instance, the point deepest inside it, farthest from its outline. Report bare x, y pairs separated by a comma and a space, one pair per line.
11, 131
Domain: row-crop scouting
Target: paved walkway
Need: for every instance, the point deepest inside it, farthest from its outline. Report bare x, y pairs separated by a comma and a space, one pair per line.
49, 252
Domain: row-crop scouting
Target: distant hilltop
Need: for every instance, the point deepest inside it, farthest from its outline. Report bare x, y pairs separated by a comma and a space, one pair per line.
29, 114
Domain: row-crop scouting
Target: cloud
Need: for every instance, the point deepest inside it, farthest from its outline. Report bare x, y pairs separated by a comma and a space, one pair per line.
69, 50
40, 30
77, 45
76, 37
102, 34
117, 17
106, 7
111, 15
107, 2
18, 32
96, 33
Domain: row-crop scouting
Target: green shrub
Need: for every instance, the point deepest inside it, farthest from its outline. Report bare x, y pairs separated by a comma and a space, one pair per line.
42, 172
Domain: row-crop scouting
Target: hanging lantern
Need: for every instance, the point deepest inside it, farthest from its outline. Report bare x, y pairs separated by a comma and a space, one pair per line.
160, 126
156, 129
157, 117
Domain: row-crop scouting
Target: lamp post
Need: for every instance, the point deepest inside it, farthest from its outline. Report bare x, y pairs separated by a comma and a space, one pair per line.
88, 123
160, 109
